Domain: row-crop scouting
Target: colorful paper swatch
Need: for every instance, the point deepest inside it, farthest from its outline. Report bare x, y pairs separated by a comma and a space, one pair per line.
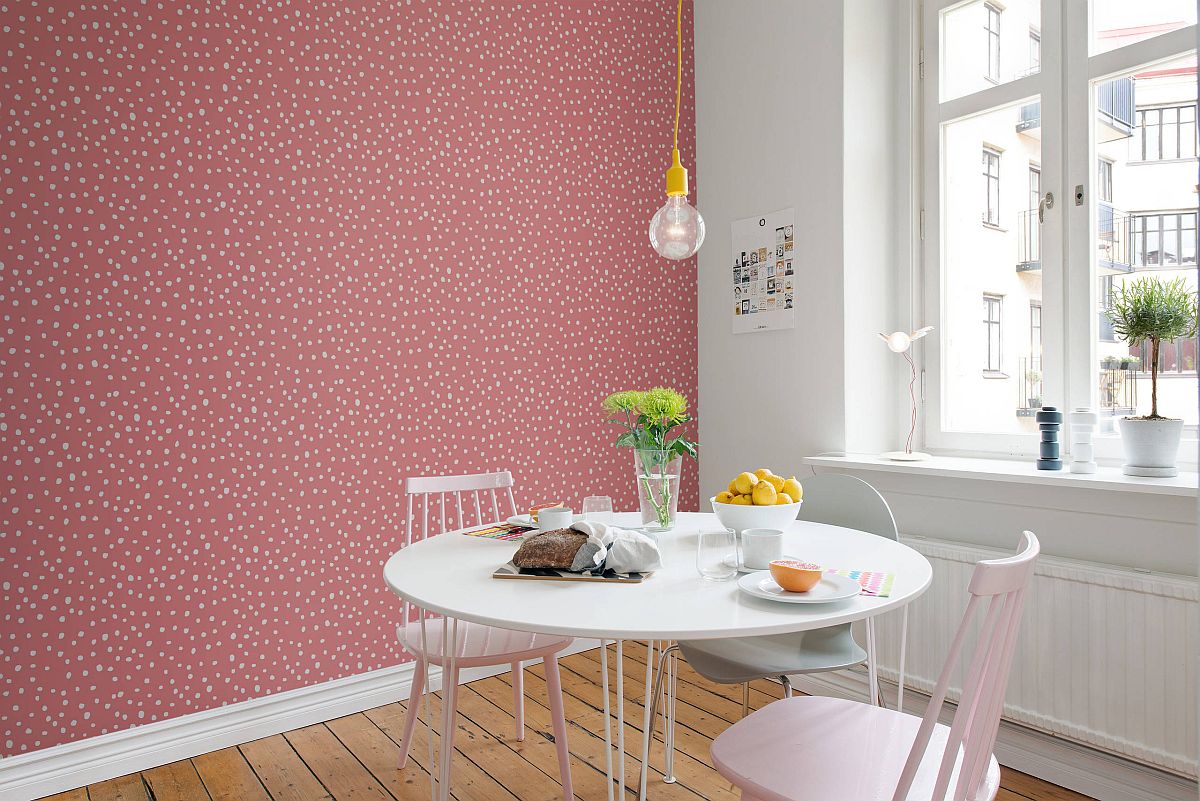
878, 585
498, 531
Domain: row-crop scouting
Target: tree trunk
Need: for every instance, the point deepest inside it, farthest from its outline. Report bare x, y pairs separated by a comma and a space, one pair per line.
1154, 343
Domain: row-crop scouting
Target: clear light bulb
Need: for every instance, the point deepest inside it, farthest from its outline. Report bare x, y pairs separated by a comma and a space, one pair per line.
677, 229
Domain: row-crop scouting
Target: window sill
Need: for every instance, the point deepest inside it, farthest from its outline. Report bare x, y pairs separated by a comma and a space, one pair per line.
1105, 479
994, 227
992, 375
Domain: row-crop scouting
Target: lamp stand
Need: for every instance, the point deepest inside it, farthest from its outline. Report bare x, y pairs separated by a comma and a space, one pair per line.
908, 454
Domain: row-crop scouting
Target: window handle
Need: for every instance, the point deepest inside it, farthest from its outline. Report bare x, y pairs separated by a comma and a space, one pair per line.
1046, 202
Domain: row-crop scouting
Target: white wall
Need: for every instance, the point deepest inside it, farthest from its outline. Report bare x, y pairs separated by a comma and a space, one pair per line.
769, 136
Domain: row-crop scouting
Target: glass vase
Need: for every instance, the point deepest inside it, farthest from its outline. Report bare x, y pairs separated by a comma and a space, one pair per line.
657, 475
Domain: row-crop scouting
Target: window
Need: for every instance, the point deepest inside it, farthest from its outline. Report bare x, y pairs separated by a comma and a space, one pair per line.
991, 181
1167, 133
1163, 240
991, 28
992, 333
1104, 175
1035, 331
1081, 120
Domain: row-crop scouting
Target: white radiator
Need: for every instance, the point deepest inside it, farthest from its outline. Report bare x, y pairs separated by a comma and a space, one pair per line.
1107, 656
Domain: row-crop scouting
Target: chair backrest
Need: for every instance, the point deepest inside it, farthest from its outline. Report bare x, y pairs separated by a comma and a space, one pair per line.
474, 501
1002, 583
842, 500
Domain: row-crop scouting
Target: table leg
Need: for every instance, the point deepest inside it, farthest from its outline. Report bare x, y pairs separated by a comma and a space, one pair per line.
872, 665
669, 715
646, 719
449, 689
903, 646
621, 717
427, 710
608, 762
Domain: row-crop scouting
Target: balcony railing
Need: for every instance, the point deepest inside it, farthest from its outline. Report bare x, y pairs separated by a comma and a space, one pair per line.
1029, 386
1115, 106
1113, 241
1115, 110
1029, 241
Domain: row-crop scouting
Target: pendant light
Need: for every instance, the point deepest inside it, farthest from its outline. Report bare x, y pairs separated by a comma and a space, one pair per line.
677, 229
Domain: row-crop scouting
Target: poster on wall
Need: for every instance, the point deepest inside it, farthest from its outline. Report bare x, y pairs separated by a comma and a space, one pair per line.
764, 276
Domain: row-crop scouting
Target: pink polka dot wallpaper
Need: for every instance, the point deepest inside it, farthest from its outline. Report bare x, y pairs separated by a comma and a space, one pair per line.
260, 262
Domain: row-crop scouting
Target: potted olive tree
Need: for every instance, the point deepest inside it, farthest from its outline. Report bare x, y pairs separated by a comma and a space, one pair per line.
1150, 310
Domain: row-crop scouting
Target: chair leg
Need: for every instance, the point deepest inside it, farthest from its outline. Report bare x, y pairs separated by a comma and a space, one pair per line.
662, 680
518, 682
413, 711
872, 667
903, 647
745, 698
787, 686
450, 696
558, 719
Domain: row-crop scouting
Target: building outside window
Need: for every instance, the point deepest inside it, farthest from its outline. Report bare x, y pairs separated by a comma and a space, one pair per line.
1035, 186
991, 27
1104, 180
992, 332
1163, 240
1035, 330
1035, 52
991, 180
1167, 133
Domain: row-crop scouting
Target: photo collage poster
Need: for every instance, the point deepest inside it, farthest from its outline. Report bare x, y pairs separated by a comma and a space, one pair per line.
764, 272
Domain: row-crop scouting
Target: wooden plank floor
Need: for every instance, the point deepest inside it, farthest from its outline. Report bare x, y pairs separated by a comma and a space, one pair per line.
354, 758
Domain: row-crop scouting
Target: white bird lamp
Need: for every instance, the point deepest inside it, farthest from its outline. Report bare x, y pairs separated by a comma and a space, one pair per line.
900, 342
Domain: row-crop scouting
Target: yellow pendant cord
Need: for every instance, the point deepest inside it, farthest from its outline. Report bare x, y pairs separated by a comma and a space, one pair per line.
677, 176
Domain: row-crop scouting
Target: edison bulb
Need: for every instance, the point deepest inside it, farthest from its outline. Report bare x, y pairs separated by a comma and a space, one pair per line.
677, 229
898, 342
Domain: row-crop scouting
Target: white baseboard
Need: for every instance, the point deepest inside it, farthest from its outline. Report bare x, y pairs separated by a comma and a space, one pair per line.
1077, 767
32, 775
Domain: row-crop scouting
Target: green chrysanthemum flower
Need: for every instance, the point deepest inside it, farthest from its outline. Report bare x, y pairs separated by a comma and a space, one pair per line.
664, 404
621, 402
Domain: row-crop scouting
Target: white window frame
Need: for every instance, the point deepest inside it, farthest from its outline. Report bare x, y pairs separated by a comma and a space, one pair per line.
1070, 326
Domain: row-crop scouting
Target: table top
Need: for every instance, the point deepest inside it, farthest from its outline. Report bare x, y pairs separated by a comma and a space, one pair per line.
451, 574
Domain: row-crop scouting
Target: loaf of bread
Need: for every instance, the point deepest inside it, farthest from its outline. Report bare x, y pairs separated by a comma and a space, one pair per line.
554, 549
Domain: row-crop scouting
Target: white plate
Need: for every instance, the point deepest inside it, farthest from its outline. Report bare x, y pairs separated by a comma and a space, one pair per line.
831, 587
527, 521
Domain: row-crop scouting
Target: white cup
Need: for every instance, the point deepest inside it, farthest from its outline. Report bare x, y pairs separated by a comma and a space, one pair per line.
761, 546
555, 517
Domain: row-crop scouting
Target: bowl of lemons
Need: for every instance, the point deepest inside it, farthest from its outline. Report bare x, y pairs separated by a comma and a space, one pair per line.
759, 499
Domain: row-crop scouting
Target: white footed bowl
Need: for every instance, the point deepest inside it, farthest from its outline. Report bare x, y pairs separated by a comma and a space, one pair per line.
739, 518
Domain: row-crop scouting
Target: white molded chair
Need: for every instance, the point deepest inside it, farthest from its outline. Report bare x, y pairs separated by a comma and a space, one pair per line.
838, 500
826, 748
489, 496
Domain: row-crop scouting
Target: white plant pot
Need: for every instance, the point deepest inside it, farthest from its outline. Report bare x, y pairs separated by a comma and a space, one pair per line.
1151, 446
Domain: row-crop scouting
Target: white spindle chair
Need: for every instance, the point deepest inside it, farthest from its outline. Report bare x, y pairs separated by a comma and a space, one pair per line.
455, 502
818, 748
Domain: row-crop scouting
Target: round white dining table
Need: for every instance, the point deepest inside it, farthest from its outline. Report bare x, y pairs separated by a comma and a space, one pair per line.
451, 574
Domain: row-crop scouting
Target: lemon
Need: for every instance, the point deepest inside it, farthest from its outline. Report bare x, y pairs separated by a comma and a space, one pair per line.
792, 487
744, 483
775, 481
762, 472
724, 497
741, 500
764, 494
783, 498
732, 488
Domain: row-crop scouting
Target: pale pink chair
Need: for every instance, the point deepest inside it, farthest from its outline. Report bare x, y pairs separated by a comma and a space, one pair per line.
455, 502
827, 749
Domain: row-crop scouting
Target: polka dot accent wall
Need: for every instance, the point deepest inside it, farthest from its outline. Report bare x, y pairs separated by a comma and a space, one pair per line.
263, 260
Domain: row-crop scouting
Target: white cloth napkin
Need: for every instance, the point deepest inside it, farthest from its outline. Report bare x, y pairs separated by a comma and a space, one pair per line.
621, 550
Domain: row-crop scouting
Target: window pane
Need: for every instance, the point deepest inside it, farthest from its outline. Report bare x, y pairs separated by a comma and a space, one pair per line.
991, 271
1116, 23
1146, 229
985, 44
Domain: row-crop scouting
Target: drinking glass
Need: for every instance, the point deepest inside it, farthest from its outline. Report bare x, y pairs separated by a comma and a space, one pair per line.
716, 554
598, 508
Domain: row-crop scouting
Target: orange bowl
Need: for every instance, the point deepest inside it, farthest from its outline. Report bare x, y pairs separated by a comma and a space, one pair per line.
795, 576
